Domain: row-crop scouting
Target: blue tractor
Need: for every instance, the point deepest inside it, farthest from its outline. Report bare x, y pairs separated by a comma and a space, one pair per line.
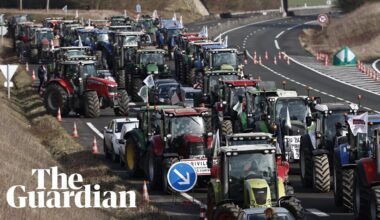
349, 149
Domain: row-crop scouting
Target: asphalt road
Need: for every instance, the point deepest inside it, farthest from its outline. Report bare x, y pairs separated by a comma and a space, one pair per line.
260, 38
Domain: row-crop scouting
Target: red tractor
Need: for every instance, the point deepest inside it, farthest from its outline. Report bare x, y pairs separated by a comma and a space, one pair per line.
367, 182
79, 87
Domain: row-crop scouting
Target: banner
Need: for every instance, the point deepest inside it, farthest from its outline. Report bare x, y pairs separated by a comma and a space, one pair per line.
358, 123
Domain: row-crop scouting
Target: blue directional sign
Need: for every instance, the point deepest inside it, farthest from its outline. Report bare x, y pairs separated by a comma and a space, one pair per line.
182, 177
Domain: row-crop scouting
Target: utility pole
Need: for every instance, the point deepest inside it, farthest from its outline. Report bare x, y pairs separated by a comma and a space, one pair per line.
20, 5
47, 5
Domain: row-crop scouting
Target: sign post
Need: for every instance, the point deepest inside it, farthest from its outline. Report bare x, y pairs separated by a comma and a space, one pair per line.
323, 20
182, 177
8, 72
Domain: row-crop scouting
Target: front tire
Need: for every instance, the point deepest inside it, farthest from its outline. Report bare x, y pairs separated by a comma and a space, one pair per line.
123, 108
91, 104
153, 170
226, 211
348, 189
131, 157
321, 173
227, 128
361, 200
337, 175
306, 166
294, 206
56, 98
375, 203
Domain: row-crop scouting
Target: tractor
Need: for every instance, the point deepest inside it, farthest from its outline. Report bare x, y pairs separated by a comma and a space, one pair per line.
40, 48
78, 87
317, 144
348, 149
233, 112
147, 62
165, 136
247, 175
16, 30
366, 195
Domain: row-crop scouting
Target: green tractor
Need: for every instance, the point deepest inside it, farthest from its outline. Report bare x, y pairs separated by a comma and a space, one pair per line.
147, 62
249, 175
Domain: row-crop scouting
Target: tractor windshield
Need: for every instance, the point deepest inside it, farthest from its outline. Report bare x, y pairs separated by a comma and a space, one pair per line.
331, 122
239, 94
251, 165
296, 107
229, 58
215, 79
131, 39
371, 128
150, 58
89, 70
71, 53
85, 36
247, 141
187, 125
103, 37
260, 104
45, 35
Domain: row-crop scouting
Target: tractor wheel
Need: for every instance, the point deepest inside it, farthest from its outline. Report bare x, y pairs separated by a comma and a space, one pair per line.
153, 169
321, 174
226, 211
114, 156
294, 206
121, 79
105, 150
211, 203
347, 189
375, 203
123, 108
306, 166
91, 104
131, 157
136, 85
208, 123
227, 128
56, 97
190, 77
165, 184
361, 200
337, 175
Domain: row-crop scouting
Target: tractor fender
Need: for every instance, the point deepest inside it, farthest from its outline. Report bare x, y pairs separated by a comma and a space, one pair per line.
281, 187
138, 136
342, 155
63, 83
318, 152
366, 171
216, 186
157, 145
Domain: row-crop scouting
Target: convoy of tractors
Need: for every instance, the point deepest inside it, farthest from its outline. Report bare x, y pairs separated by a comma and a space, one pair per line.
241, 134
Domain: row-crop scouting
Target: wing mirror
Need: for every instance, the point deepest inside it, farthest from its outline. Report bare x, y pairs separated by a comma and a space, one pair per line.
122, 141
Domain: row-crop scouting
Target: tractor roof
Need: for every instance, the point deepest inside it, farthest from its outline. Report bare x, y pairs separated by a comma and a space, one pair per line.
158, 107
251, 147
224, 49
44, 29
336, 106
130, 33
214, 46
221, 72
255, 135
151, 50
185, 112
286, 93
240, 83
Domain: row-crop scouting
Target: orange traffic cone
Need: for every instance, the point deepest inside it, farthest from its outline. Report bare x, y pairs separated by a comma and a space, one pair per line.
94, 146
33, 75
145, 193
275, 60
260, 60
326, 60
75, 131
288, 61
266, 55
318, 56
59, 118
279, 55
27, 67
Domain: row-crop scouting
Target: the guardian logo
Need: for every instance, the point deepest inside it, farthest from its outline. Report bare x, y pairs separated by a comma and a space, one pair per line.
66, 190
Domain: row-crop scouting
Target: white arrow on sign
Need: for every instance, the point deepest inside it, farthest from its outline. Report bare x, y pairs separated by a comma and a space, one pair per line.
12, 70
186, 180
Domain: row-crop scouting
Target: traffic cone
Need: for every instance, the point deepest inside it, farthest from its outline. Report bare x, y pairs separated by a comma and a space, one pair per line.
94, 146
59, 118
284, 55
279, 55
326, 60
318, 56
75, 131
202, 213
145, 193
260, 60
275, 60
288, 61
266, 55
33, 75
27, 67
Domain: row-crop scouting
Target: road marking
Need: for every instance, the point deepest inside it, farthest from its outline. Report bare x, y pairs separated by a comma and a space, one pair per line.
92, 127
279, 35
188, 197
317, 212
276, 43
374, 65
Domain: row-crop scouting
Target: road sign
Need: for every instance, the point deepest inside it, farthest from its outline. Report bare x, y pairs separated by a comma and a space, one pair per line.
138, 8
182, 177
345, 57
323, 19
6, 84
12, 70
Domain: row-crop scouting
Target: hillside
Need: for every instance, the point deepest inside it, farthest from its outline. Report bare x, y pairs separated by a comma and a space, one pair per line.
359, 30
218, 6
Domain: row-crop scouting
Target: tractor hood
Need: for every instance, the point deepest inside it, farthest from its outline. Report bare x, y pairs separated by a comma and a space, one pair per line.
102, 81
227, 67
190, 146
298, 128
152, 68
189, 138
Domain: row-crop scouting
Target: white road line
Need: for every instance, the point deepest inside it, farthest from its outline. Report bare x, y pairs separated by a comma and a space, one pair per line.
279, 35
276, 44
92, 127
317, 212
188, 197
374, 66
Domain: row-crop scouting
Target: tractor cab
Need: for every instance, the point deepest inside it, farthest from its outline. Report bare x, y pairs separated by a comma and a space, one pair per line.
118, 20
67, 53
225, 59
251, 138
152, 61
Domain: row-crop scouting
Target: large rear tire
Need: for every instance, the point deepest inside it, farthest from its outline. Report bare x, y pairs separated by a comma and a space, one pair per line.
226, 211
227, 128
137, 83
337, 176
123, 108
361, 200
348, 189
56, 97
321, 175
91, 104
153, 170
131, 157
306, 166
375, 203
294, 206
190, 77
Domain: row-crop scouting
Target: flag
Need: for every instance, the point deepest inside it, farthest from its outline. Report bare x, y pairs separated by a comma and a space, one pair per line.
80, 44
288, 124
204, 32
225, 42
149, 81
125, 14
174, 17
65, 8
238, 108
143, 93
215, 144
76, 14
180, 22
174, 99
358, 123
154, 15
